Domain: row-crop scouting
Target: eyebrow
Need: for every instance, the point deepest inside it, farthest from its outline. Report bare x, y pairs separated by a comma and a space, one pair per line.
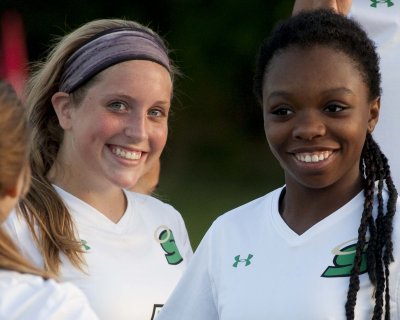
132, 98
285, 94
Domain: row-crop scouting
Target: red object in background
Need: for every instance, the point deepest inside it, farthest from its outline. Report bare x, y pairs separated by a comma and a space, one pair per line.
13, 63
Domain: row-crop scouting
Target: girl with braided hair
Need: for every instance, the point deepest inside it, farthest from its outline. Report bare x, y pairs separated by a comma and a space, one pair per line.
326, 244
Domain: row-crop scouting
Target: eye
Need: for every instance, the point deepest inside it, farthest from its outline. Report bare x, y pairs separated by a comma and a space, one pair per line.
117, 106
157, 113
335, 107
282, 111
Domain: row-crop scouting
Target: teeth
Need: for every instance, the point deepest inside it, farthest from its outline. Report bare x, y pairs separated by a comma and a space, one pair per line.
131, 155
313, 157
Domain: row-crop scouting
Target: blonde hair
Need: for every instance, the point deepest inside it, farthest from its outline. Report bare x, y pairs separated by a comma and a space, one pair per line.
42, 206
14, 150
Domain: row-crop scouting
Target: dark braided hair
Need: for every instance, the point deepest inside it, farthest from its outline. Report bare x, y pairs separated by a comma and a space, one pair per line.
327, 28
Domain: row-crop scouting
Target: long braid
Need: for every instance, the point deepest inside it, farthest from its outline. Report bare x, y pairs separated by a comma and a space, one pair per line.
378, 273
369, 185
380, 246
354, 285
387, 232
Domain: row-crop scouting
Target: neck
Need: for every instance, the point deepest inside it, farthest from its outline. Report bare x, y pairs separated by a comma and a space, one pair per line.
302, 207
105, 197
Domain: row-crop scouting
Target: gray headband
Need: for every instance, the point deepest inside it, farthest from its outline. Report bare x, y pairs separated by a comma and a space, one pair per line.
107, 50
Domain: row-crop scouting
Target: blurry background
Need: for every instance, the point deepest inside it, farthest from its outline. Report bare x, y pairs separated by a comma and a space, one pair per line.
217, 157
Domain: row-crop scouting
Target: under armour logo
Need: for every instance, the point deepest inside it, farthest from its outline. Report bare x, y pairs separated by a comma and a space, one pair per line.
246, 261
374, 3
85, 245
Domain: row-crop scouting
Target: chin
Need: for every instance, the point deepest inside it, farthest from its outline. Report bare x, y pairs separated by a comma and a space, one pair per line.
318, 184
125, 182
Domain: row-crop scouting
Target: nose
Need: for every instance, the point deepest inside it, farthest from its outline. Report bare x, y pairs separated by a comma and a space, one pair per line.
309, 126
136, 127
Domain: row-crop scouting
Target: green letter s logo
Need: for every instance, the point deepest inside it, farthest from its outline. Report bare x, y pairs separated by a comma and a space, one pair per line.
344, 261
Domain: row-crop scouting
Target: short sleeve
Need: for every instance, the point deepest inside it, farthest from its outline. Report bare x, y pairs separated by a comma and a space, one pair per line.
187, 251
18, 229
193, 297
26, 297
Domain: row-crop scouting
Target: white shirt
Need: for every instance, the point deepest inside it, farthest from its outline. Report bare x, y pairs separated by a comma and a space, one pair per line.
27, 297
381, 21
251, 265
130, 271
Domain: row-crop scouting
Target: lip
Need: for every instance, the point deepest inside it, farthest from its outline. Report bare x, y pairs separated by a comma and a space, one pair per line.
130, 155
127, 148
311, 149
314, 166
313, 157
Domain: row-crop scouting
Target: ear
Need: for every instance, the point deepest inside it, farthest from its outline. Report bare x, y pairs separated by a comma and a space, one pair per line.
374, 109
62, 106
12, 192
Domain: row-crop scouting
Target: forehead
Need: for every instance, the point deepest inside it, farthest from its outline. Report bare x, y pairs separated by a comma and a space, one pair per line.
314, 67
134, 78
136, 68
135, 74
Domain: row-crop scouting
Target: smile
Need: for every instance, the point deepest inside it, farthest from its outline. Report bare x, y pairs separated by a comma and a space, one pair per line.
124, 154
313, 157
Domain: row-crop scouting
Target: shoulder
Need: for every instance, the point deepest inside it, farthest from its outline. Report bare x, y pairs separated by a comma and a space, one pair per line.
27, 296
159, 216
249, 213
243, 222
18, 229
152, 206
156, 213
14, 222
12, 282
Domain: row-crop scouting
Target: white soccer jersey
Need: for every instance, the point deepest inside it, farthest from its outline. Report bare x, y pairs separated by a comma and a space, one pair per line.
27, 297
381, 20
132, 265
251, 265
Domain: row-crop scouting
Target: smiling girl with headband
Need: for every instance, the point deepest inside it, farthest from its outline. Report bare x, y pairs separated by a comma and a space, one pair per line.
99, 110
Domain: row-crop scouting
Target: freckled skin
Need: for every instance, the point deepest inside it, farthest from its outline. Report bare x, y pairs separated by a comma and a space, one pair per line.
315, 99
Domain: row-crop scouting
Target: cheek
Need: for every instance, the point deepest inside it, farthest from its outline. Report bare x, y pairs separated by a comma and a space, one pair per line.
275, 145
159, 138
102, 129
359, 141
353, 132
276, 136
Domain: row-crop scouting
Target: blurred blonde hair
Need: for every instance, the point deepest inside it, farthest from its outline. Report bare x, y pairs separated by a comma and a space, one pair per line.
14, 150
